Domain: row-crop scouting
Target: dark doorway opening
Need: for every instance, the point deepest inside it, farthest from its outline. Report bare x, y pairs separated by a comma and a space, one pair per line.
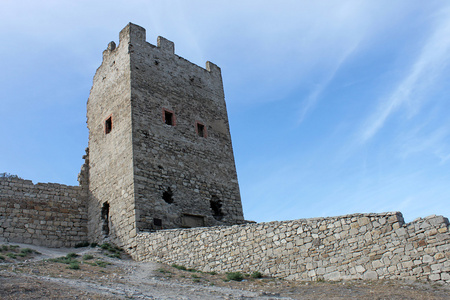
105, 218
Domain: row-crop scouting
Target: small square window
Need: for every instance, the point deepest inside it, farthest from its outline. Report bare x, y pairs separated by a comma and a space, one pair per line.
200, 129
108, 125
168, 117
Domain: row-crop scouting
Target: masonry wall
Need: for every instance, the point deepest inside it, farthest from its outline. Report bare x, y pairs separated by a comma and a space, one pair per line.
111, 181
362, 246
47, 214
198, 171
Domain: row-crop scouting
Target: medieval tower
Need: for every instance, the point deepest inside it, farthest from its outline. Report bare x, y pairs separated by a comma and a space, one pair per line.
160, 153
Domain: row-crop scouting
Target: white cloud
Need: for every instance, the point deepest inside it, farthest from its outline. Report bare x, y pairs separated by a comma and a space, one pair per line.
411, 91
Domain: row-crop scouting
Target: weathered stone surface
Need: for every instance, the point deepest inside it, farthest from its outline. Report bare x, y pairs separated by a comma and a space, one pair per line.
159, 142
390, 255
46, 214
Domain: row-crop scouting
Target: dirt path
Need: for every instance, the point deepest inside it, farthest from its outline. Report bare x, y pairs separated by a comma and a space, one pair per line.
103, 277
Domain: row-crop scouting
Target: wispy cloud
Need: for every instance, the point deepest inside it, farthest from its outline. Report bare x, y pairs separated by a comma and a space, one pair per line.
314, 96
410, 92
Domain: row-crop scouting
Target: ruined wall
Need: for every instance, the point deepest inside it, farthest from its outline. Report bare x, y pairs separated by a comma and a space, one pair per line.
362, 246
48, 214
111, 183
196, 169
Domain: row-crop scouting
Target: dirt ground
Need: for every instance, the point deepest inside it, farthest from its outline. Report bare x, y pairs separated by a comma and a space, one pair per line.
96, 273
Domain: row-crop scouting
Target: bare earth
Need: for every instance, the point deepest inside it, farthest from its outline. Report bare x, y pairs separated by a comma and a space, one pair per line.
35, 277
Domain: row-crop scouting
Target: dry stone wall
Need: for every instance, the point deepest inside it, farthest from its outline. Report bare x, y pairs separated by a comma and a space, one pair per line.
362, 246
48, 214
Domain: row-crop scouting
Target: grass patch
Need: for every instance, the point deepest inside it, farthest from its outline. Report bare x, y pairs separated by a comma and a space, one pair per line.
68, 259
195, 276
196, 280
74, 265
236, 276
161, 270
183, 268
4, 248
14, 247
212, 273
114, 255
72, 255
114, 251
11, 255
87, 257
256, 274
101, 263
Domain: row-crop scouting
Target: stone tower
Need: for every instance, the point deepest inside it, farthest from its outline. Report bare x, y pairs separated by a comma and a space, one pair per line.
160, 153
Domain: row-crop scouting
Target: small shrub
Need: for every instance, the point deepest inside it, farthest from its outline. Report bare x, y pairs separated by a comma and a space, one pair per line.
196, 280
183, 268
320, 279
4, 248
14, 247
26, 251
236, 276
212, 273
105, 246
82, 244
195, 276
2, 257
191, 270
93, 245
11, 255
256, 274
9, 175
21, 254
161, 270
87, 257
74, 265
72, 255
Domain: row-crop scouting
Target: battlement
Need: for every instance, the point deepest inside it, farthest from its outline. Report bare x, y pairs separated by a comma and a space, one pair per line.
135, 36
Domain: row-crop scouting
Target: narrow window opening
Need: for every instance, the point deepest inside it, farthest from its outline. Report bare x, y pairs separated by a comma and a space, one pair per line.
216, 207
108, 125
168, 195
200, 130
105, 218
168, 118
157, 222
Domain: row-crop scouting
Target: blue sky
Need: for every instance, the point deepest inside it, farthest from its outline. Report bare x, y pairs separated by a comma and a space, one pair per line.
335, 107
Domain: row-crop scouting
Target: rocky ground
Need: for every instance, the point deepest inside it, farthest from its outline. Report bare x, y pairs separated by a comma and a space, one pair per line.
30, 272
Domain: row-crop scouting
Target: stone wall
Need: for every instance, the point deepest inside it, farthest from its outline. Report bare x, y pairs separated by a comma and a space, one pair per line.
47, 214
183, 177
361, 246
111, 181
